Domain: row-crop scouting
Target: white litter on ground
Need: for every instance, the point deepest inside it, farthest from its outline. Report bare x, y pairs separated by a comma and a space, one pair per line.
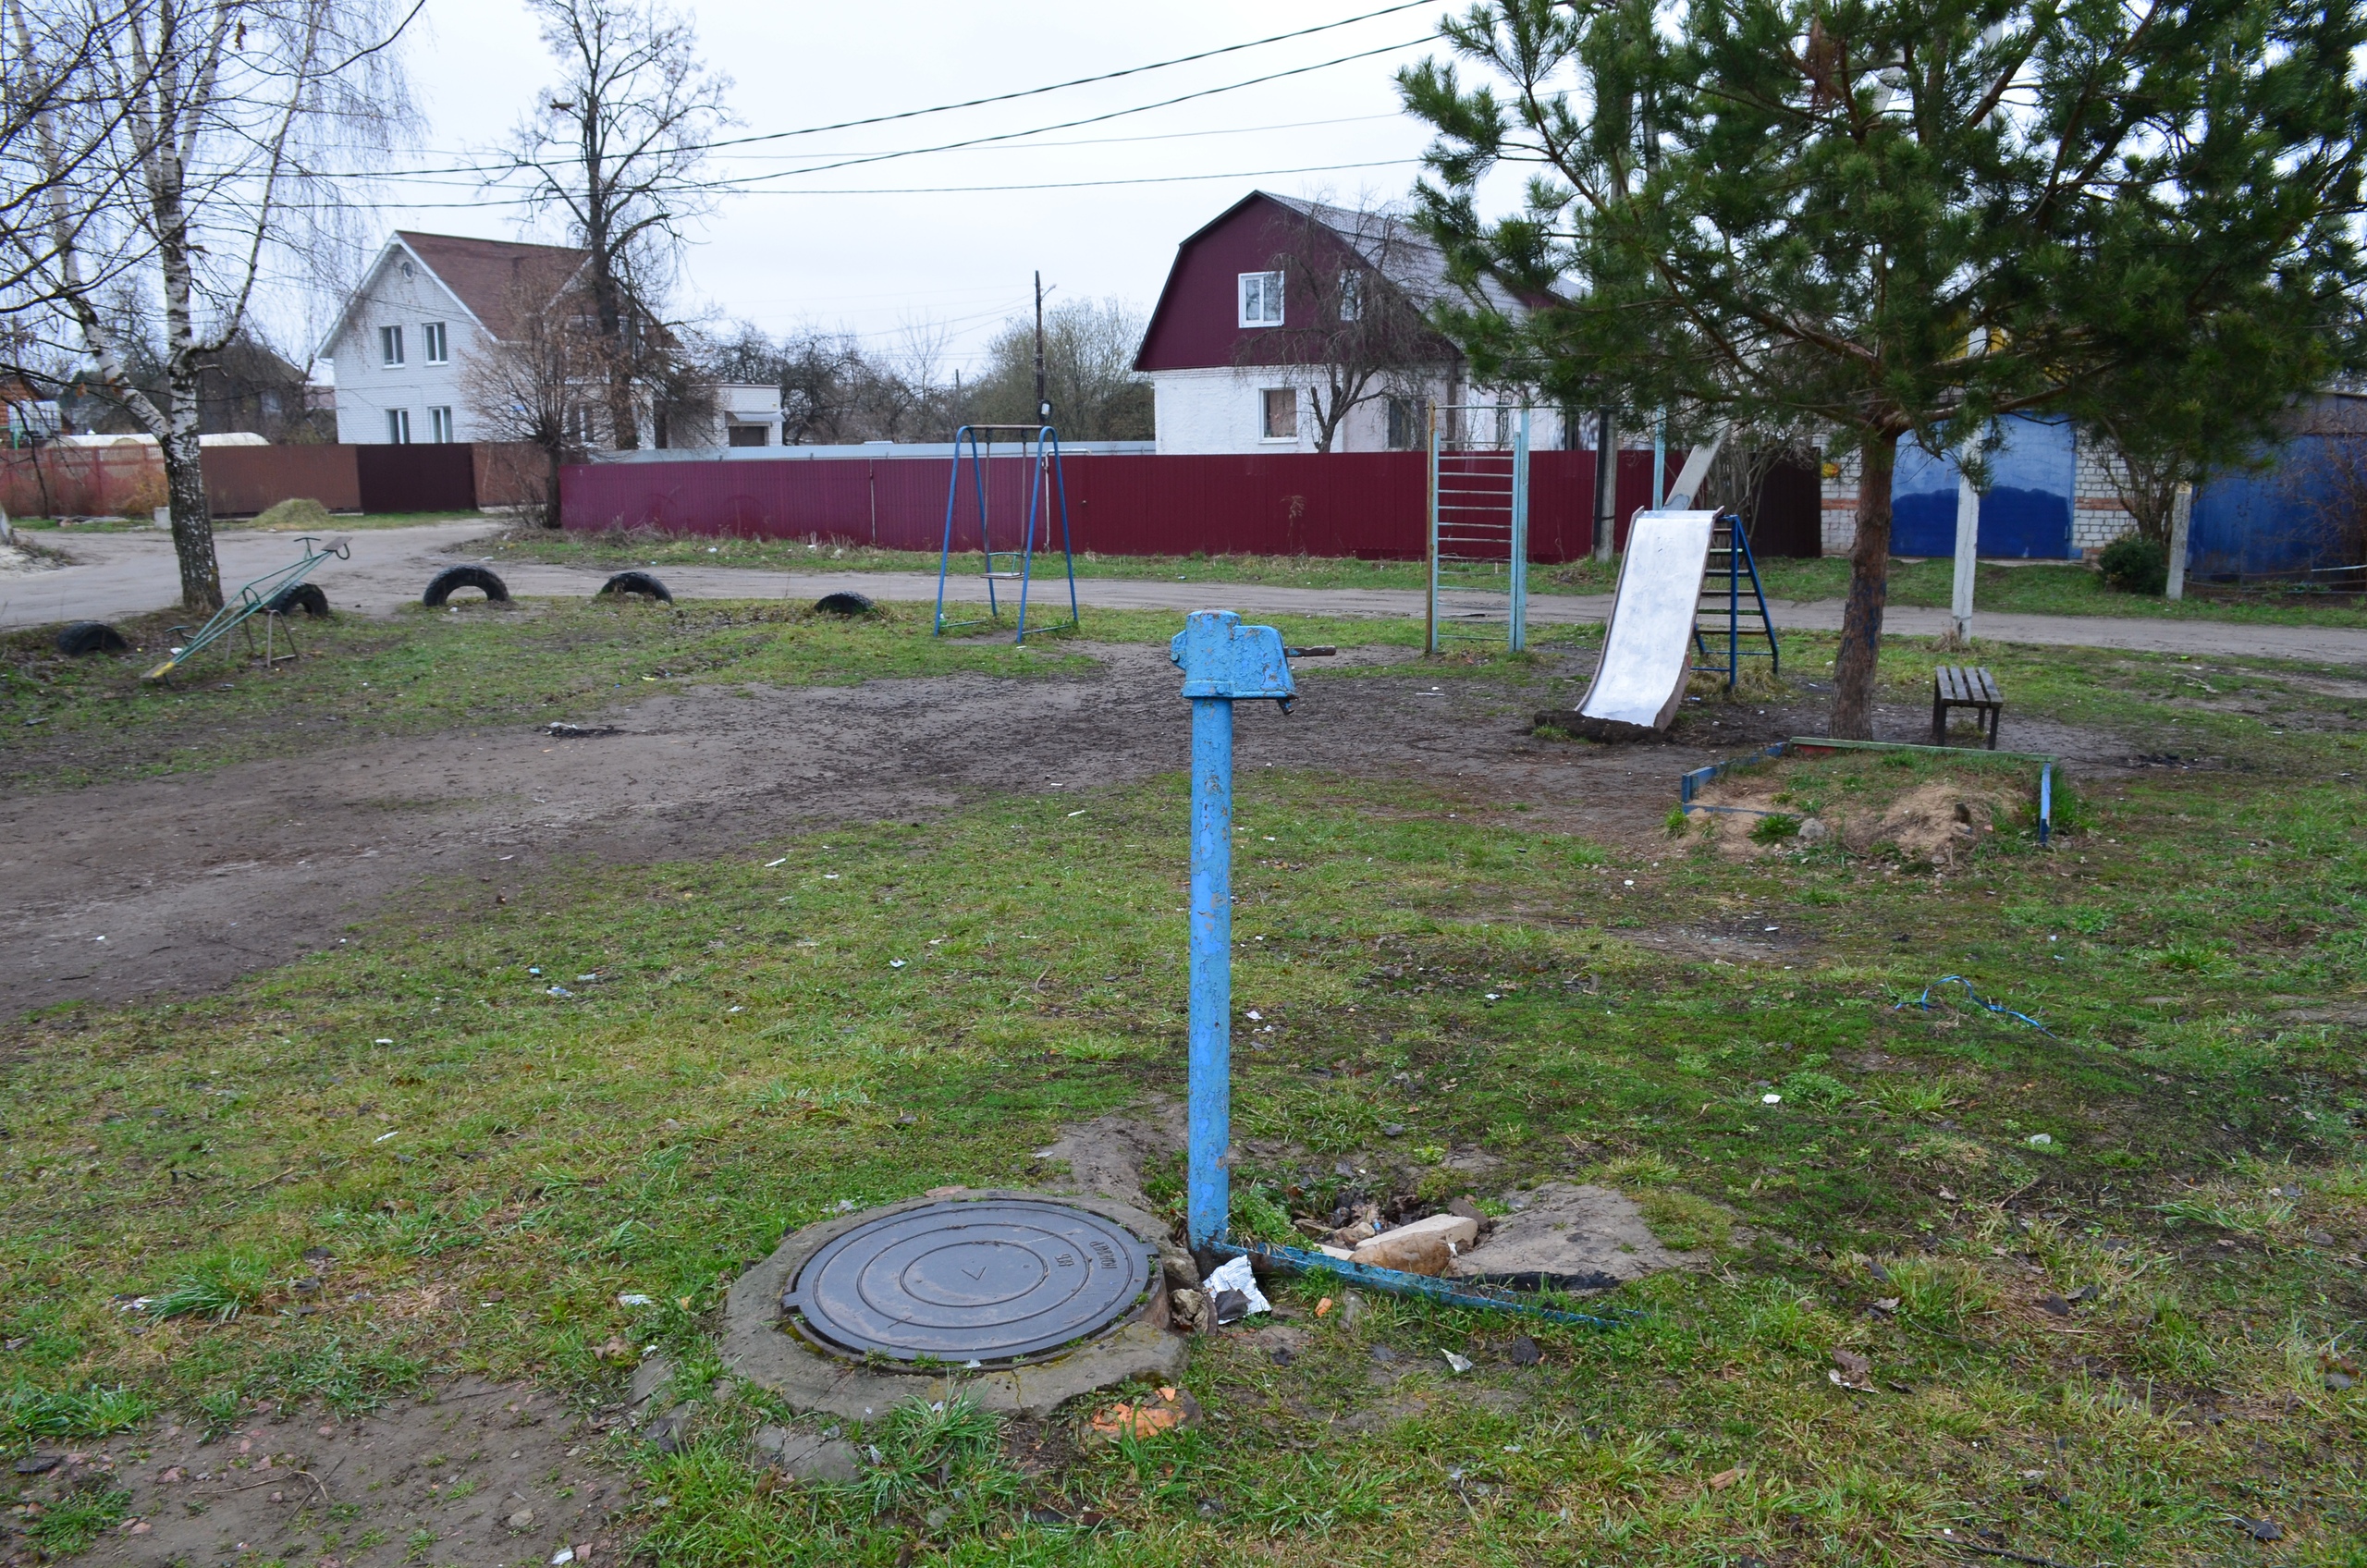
1233, 1274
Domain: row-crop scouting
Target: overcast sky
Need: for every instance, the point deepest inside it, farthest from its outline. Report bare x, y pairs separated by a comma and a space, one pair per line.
937, 247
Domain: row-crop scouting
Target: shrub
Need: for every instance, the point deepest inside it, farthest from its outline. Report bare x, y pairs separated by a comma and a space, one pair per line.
2135, 564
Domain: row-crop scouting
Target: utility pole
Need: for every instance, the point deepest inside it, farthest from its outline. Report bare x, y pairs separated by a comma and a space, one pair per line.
1606, 481
1043, 404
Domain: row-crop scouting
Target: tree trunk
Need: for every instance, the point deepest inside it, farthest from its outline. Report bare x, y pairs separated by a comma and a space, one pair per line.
550, 496
192, 518
1861, 620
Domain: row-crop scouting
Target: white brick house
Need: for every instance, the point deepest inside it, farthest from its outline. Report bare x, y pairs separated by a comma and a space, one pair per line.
426, 303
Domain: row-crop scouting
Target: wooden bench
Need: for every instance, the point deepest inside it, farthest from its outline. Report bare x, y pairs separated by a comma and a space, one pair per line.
1956, 686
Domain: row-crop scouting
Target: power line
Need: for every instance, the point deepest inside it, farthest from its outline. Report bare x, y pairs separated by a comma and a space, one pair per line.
966, 189
976, 103
1187, 135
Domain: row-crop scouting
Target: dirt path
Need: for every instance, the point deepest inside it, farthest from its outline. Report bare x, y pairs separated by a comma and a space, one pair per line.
178, 885
130, 574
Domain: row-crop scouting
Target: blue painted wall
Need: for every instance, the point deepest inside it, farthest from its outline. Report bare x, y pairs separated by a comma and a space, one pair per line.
2026, 513
2289, 517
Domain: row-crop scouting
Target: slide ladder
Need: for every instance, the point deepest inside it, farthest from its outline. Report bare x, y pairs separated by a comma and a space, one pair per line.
1733, 606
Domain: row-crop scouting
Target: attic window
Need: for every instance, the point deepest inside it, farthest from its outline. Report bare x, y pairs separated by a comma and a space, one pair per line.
1261, 299
1352, 295
407, 269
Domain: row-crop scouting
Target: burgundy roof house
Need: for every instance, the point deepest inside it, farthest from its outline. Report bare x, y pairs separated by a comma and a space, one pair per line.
1290, 325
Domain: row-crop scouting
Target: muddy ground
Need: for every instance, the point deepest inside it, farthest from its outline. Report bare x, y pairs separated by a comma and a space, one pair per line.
479, 1473
177, 886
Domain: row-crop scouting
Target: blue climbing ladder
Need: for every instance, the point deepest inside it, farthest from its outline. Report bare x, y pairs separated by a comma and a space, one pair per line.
1047, 495
1732, 600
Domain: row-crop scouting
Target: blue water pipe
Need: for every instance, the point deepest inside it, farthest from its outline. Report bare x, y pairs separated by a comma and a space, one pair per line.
1225, 662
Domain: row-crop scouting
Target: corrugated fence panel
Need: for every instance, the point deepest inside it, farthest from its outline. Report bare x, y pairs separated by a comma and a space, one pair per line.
1363, 504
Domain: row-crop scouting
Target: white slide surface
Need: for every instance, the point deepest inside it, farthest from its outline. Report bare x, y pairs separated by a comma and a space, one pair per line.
1649, 647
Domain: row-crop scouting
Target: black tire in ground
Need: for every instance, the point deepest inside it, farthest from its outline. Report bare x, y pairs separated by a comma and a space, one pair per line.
454, 577
306, 596
844, 604
635, 583
92, 637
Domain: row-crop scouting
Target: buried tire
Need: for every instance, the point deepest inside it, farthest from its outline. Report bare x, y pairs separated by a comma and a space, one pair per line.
639, 582
452, 579
92, 637
844, 604
306, 596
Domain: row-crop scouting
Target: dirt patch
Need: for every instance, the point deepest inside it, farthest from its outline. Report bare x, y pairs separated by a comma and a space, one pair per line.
1109, 1154
478, 1473
1749, 814
182, 884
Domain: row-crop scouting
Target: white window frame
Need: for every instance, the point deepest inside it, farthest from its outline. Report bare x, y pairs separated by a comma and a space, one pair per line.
398, 427
390, 345
435, 347
1265, 407
1259, 296
439, 425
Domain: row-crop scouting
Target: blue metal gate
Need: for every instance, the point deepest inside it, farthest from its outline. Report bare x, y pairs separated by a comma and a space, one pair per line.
2026, 514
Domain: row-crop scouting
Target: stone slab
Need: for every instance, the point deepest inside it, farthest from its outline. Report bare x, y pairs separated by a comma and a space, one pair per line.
1577, 1237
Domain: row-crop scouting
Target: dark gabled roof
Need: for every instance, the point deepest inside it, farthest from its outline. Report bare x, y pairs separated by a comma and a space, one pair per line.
478, 273
1392, 245
1395, 247
482, 273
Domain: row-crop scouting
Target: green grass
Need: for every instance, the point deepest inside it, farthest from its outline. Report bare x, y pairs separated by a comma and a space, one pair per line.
741, 1055
2069, 588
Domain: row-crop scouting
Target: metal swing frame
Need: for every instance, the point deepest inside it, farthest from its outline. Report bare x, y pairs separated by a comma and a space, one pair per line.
1046, 491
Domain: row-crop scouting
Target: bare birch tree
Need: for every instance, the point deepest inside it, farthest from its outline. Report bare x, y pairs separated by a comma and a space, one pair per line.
201, 139
617, 148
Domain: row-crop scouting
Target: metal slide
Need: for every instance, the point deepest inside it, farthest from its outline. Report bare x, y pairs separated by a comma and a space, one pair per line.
1648, 648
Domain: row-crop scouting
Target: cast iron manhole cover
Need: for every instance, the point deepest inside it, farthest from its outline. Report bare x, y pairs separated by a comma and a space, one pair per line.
995, 1279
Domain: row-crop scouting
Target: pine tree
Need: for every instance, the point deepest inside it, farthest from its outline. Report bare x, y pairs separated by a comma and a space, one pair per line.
1879, 218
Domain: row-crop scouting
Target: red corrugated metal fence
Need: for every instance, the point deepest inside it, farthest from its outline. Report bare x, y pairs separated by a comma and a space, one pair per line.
1365, 504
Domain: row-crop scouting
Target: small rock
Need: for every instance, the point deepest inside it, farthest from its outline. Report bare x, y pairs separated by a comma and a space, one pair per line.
808, 1456
1467, 1208
2055, 1306
1384, 1356
1393, 1130
522, 1520
1282, 1354
2260, 1529
1525, 1351
1180, 1272
1188, 1311
667, 1430
2318, 1238
1812, 831
2338, 1381
654, 1373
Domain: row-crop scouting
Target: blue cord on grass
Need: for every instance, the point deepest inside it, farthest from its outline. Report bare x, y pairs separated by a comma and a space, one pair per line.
1924, 1001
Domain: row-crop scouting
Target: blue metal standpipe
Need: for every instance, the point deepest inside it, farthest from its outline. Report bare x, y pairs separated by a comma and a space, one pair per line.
1225, 662
1211, 1062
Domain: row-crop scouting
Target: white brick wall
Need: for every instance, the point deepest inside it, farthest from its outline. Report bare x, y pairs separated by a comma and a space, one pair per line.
367, 386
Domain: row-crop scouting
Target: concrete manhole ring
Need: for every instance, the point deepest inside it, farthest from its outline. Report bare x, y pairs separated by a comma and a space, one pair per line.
994, 1280
773, 1348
